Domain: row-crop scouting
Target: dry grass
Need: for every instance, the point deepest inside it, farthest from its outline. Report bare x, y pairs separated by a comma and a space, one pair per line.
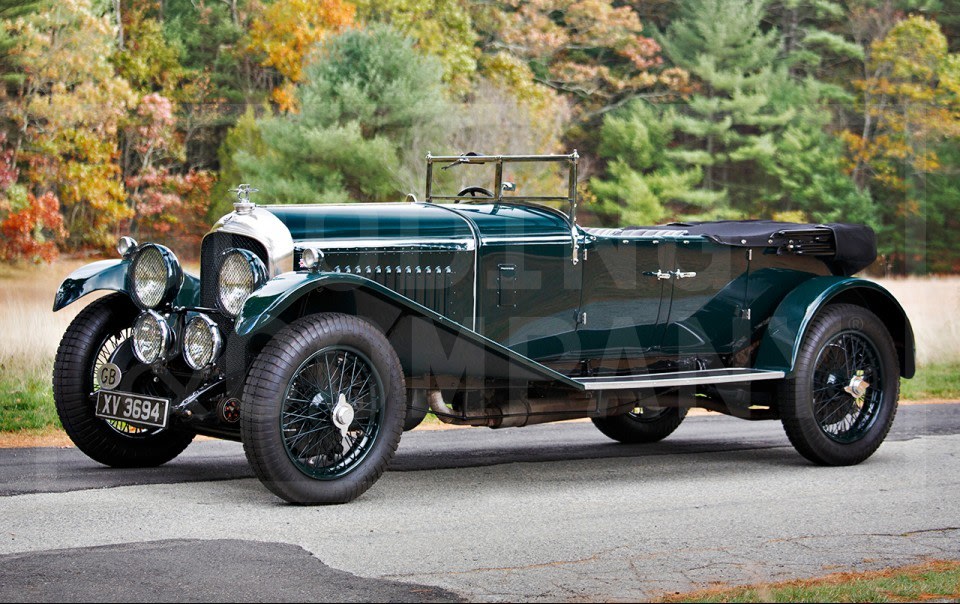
29, 330
933, 305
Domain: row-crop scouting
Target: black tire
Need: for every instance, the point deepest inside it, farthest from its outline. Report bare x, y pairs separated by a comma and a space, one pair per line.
101, 324
642, 425
416, 408
823, 419
288, 424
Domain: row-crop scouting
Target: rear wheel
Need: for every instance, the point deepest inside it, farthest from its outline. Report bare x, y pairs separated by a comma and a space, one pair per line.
642, 424
99, 335
840, 403
324, 406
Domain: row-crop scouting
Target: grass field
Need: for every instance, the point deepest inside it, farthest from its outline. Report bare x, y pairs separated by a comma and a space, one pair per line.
30, 332
935, 581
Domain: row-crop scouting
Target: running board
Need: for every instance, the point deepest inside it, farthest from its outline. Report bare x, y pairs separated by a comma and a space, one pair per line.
679, 378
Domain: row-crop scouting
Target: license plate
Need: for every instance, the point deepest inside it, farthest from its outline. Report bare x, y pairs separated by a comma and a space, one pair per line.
135, 409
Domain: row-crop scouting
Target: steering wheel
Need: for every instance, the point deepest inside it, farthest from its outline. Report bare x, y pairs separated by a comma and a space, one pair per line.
473, 192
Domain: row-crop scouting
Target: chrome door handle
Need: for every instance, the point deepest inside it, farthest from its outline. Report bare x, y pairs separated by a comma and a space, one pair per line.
659, 274
682, 275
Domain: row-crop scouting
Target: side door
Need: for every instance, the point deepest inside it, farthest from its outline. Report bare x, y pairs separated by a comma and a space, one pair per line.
707, 303
624, 304
529, 293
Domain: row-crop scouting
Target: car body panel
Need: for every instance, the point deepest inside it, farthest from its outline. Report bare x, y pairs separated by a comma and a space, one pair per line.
111, 275
716, 279
380, 221
624, 301
789, 322
267, 306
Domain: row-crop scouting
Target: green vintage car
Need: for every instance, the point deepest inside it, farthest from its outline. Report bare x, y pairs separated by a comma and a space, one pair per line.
317, 334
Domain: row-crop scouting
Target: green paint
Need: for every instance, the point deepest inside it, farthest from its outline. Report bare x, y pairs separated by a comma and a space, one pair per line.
788, 324
111, 275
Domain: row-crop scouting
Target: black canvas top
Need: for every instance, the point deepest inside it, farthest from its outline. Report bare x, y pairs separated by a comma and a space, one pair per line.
855, 244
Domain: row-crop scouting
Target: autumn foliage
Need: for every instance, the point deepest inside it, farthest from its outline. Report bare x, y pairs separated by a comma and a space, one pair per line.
286, 33
137, 116
34, 231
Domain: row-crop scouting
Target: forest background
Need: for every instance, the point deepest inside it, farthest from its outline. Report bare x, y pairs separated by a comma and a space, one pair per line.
137, 116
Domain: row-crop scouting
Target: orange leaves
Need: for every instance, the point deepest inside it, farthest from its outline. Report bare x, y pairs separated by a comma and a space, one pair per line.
287, 31
172, 205
34, 231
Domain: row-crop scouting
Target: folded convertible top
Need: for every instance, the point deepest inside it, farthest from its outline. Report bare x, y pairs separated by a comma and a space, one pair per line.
846, 248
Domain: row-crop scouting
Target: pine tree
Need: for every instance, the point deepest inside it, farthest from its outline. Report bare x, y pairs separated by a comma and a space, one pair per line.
809, 35
368, 103
244, 138
10, 10
754, 132
643, 185
726, 129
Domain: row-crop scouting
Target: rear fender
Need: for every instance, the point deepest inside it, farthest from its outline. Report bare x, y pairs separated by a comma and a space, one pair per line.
426, 342
111, 275
781, 342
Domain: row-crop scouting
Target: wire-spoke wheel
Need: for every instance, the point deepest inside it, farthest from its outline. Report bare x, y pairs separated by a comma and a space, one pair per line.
99, 335
331, 412
840, 403
324, 406
647, 424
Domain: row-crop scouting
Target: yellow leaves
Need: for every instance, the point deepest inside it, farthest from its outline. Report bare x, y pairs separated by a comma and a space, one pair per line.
69, 108
441, 28
913, 50
912, 103
285, 96
790, 216
509, 72
592, 51
288, 30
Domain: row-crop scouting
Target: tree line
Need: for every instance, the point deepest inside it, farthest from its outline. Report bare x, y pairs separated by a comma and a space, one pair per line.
138, 116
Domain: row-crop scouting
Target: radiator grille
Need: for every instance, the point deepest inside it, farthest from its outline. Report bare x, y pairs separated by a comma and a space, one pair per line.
211, 253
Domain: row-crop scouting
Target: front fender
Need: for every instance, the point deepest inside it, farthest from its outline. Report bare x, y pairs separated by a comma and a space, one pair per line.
278, 294
781, 342
111, 275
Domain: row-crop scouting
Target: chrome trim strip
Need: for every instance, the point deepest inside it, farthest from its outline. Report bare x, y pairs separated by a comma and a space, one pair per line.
464, 245
680, 378
522, 239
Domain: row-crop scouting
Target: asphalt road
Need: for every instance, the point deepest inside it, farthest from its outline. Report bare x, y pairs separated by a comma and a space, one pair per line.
552, 512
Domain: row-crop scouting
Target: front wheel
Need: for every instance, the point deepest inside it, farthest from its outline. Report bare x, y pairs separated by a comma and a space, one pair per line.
100, 334
323, 409
840, 403
642, 424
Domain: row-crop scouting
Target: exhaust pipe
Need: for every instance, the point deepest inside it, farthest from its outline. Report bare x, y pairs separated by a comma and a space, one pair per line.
524, 411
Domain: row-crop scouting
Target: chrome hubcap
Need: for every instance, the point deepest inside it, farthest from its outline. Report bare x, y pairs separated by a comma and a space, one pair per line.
857, 387
343, 415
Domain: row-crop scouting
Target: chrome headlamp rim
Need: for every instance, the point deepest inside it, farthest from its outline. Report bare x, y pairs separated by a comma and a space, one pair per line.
173, 277
126, 245
166, 337
311, 258
258, 273
216, 341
